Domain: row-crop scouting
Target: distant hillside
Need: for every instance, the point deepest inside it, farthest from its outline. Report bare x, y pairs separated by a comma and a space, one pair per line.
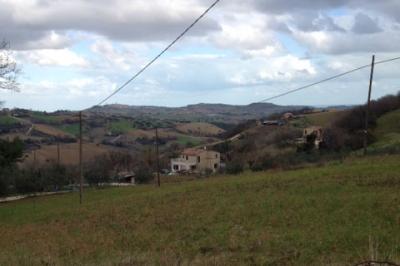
197, 113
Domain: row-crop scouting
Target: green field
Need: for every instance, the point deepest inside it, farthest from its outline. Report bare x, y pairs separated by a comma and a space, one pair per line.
121, 126
45, 118
338, 214
72, 129
7, 120
188, 140
323, 119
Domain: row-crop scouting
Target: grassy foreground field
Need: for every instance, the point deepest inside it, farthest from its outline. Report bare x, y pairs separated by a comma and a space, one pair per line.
338, 214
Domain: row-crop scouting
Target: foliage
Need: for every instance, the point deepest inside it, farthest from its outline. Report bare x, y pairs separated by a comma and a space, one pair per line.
223, 147
239, 128
8, 120
143, 174
72, 129
105, 167
188, 141
99, 170
10, 152
333, 139
43, 117
8, 69
352, 124
121, 126
234, 167
45, 178
286, 136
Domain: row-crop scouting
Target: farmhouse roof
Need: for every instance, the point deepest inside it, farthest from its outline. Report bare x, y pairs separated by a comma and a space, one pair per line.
192, 152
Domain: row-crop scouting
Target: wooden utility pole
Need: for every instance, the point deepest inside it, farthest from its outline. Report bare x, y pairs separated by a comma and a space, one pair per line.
371, 78
158, 160
80, 160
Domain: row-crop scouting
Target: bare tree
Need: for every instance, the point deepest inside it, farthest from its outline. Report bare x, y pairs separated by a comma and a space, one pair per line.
8, 68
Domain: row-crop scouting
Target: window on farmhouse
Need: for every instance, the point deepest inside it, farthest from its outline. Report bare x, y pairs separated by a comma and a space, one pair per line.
215, 166
187, 157
198, 159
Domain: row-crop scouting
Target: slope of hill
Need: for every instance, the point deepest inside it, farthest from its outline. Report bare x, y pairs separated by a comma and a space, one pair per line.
199, 128
387, 132
339, 214
128, 127
196, 113
324, 119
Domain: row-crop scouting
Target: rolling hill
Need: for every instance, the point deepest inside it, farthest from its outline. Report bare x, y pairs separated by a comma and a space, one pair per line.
129, 128
197, 113
387, 133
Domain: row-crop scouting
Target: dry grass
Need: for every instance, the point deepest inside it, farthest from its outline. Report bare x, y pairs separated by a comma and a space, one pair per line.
51, 131
69, 153
324, 119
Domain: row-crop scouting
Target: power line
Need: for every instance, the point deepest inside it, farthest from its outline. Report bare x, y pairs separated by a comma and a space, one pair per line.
328, 79
160, 54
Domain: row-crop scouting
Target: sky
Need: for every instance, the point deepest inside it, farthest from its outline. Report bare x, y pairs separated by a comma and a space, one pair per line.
72, 54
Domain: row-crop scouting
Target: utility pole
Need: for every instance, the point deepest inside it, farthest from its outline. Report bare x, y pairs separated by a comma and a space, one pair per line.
80, 160
158, 159
371, 78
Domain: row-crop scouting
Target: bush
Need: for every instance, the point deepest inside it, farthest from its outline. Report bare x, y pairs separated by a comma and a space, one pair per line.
354, 120
143, 175
333, 139
234, 167
10, 153
29, 181
285, 137
6, 181
47, 178
263, 163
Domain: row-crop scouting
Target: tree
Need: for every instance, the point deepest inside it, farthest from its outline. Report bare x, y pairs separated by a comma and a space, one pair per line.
10, 153
8, 68
144, 174
100, 170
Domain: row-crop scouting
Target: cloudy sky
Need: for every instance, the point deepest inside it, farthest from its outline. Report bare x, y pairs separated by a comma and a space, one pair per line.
74, 53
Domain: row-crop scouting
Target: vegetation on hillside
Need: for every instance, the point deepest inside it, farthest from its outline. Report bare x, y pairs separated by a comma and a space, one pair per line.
7, 120
10, 153
387, 133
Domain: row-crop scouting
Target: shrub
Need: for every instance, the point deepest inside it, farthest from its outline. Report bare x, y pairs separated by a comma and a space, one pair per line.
354, 120
263, 163
234, 167
99, 170
285, 137
143, 175
333, 139
6, 181
39, 179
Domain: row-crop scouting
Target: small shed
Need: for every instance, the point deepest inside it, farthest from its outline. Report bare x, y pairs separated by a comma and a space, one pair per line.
126, 177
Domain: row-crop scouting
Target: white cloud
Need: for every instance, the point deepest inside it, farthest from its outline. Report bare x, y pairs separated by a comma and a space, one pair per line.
106, 50
54, 57
287, 67
247, 34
